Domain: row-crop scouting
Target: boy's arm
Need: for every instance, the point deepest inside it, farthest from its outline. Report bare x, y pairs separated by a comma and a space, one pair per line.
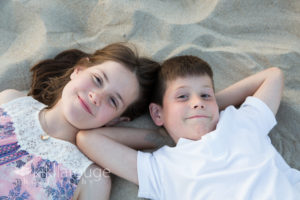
135, 138
113, 156
266, 85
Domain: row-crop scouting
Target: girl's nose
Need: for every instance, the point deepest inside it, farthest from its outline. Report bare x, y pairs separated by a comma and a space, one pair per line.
95, 98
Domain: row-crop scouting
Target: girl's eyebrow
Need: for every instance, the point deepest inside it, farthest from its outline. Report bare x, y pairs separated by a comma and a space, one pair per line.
119, 96
104, 75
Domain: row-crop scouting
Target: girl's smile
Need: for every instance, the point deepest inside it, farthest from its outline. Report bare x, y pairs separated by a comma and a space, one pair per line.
84, 105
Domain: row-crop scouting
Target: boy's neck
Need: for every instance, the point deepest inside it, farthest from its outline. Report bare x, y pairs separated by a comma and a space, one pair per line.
176, 139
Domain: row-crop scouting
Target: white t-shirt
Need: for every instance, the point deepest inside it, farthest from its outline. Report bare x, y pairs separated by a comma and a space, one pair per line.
236, 162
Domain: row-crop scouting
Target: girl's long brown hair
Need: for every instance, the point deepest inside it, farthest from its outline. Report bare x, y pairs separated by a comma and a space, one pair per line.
50, 76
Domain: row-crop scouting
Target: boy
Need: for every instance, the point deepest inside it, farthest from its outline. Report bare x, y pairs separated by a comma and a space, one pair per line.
226, 156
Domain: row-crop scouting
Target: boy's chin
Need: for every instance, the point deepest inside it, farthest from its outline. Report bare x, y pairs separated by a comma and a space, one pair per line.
199, 131
195, 135
199, 136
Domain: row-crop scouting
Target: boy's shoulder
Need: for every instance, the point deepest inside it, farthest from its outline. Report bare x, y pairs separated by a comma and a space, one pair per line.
250, 102
253, 115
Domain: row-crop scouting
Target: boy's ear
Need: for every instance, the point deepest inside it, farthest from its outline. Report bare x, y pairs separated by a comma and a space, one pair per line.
156, 114
76, 71
117, 120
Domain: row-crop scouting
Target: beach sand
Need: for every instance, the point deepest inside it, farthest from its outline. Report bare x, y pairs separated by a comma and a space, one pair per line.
237, 38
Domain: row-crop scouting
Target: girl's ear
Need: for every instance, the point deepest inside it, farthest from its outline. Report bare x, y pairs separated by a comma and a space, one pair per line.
117, 120
76, 71
156, 113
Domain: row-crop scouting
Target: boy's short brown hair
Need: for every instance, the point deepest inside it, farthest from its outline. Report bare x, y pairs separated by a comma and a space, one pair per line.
179, 67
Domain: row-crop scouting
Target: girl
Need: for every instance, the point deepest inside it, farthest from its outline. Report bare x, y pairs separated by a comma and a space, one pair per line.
73, 91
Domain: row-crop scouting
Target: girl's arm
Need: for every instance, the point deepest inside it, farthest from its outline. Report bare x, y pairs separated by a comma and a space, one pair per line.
266, 85
10, 94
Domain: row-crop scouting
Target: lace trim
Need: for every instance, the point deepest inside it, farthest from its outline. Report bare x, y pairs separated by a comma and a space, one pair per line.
24, 112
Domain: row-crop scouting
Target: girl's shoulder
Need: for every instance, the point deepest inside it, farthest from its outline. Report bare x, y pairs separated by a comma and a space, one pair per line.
10, 94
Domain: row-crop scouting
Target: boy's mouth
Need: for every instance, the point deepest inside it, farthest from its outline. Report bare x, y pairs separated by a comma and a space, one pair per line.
198, 117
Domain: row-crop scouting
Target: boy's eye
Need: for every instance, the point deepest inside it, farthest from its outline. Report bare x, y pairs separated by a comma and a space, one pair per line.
205, 96
181, 97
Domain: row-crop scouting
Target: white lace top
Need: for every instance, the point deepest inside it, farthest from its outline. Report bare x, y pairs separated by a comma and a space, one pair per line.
24, 113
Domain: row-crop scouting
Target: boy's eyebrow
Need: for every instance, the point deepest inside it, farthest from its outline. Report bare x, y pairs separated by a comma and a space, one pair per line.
207, 86
204, 86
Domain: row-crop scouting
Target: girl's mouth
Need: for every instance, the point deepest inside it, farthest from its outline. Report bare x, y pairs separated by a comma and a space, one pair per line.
85, 105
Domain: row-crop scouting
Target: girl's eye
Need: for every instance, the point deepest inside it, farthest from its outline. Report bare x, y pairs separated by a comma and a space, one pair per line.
114, 102
98, 80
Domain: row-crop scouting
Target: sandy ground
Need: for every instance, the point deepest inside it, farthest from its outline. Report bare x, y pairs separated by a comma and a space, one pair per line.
237, 38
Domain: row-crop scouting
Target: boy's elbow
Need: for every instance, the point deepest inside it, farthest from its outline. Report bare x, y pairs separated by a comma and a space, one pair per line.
82, 139
87, 139
276, 88
277, 72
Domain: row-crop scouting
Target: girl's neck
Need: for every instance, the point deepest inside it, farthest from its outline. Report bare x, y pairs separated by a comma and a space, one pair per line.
55, 124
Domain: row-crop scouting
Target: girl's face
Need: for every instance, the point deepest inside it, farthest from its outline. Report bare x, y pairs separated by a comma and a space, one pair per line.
98, 94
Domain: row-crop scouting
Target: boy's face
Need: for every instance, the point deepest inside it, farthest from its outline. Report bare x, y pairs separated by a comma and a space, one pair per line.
189, 108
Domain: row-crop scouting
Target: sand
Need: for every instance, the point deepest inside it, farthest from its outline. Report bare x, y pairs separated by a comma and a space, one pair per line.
237, 38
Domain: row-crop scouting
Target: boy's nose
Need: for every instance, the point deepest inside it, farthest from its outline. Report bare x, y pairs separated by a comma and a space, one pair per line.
197, 103
95, 98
